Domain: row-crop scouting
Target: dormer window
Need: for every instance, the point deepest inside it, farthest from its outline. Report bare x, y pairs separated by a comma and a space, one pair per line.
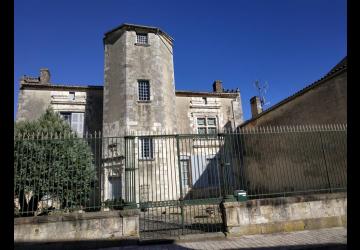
141, 38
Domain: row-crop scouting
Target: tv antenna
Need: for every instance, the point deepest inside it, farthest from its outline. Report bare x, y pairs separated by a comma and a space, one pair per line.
262, 89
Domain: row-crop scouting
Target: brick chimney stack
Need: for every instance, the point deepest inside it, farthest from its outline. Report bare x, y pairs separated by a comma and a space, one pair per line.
256, 108
217, 86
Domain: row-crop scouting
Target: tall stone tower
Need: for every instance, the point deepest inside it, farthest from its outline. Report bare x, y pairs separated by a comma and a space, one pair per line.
139, 89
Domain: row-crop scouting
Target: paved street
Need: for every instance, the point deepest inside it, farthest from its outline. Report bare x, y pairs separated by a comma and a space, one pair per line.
332, 238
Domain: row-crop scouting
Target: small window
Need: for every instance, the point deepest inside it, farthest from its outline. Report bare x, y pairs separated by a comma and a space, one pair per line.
146, 148
142, 38
186, 172
201, 121
211, 121
144, 90
72, 96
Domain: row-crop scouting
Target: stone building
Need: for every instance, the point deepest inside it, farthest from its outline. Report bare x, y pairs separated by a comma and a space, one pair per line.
322, 102
80, 105
138, 97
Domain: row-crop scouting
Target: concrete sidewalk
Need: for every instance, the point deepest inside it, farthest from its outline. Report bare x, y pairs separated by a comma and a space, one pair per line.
331, 238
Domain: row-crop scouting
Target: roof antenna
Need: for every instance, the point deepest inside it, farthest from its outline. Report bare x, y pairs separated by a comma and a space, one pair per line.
262, 89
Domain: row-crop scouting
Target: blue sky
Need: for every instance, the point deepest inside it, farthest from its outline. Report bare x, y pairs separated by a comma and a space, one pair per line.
288, 43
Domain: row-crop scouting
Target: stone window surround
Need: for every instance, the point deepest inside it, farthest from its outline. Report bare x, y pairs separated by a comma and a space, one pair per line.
206, 126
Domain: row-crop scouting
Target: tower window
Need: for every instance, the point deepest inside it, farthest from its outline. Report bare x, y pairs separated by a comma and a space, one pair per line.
142, 38
146, 148
144, 90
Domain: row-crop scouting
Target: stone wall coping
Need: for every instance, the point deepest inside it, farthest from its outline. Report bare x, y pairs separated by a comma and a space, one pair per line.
285, 200
76, 216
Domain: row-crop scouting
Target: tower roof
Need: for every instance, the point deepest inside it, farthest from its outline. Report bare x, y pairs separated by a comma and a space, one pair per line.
140, 28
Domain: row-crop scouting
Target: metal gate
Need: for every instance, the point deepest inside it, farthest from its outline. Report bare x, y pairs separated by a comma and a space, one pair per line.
176, 182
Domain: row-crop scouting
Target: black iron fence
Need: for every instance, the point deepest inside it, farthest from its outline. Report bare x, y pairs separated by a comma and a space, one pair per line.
60, 173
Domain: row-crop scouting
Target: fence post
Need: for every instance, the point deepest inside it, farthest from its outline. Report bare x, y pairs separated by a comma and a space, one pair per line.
130, 198
180, 181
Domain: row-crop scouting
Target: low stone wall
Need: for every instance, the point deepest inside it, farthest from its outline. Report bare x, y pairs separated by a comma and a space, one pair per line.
286, 214
78, 227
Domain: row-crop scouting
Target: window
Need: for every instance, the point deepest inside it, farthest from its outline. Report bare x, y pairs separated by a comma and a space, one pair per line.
72, 96
185, 172
142, 38
75, 120
206, 125
146, 148
144, 90
212, 170
115, 187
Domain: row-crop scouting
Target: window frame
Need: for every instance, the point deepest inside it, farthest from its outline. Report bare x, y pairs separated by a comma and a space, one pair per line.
188, 171
142, 155
141, 88
206, 125
139, 36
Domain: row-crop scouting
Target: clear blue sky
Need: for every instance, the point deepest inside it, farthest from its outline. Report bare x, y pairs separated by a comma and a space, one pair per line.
288, 43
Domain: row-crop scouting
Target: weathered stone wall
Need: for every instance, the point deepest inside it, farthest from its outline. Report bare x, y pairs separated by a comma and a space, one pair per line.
228, 112
286, 214
125, 64
114, 113
33, 102
77, 227
323, 104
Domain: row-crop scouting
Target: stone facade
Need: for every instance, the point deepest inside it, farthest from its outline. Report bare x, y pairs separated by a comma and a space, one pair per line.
35, 99
117, 109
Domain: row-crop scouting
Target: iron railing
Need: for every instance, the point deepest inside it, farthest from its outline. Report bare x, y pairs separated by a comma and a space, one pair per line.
59, 173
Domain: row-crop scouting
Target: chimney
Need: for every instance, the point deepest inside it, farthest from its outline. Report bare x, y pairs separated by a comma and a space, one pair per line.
217, 86
255, 104
44, 76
